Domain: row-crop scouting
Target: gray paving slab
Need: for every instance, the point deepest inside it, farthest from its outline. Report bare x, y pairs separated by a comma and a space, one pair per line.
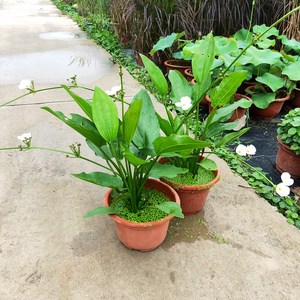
239, 247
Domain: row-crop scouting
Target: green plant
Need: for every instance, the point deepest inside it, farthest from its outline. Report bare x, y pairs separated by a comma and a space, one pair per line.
289, 130
264, 186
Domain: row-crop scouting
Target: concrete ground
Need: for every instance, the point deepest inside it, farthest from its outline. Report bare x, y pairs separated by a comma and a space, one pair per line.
239, 247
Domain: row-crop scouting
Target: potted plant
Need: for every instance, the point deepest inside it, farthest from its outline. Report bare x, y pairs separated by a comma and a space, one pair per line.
128, 144
202, 170
175, 60
288, 155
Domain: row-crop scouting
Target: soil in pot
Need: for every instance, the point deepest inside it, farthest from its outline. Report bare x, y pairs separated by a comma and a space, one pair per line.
193, 192
287, 160
177, 64
144, 236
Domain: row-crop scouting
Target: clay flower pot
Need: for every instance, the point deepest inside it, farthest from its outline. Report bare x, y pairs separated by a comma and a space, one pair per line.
149, 235
177, 64
238, 113
296, 100
271, 111
188, 74
192, 197
287, 160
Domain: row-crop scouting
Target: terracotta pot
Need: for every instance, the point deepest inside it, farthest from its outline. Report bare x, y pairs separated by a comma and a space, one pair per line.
287, 160
296, 100
271, 111
188, 74
238, 113
149, 235
177, 64
192, 197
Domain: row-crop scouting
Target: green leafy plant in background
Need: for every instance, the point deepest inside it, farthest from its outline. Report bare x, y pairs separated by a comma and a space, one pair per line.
289, 130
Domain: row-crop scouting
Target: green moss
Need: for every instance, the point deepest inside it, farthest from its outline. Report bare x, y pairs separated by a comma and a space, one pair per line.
147, 213
203, 176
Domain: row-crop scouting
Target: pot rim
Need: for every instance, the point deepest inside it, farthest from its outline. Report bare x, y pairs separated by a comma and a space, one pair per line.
168, 63
151, 224
287, 97
285, 146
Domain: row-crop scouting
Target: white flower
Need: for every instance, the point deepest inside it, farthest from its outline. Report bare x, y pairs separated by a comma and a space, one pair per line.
241, 150
25, 136
251, 150
282, 190
114, 90
185, 103
25, 84
286, 179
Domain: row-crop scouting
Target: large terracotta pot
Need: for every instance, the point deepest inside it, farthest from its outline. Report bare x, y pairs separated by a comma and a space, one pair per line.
149, 235
287, 160
192, 197
177, 64
271, 111
238, 113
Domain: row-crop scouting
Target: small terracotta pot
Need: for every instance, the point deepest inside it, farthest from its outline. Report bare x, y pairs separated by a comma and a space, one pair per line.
296, 100
149, 235
238, 113
177, 64
188, 74
287, 160
271, 111
192, 197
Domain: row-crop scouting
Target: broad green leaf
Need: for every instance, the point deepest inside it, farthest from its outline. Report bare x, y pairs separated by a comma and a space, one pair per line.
290, 43
228, 60
134, 160
131, 119
208, 164
165, 170
259, 29
177, 122
229, 109
230, 137
177, 143
222, 94
165, 125
171, 208
103, 151
272, 81
146, 134
105, 115
102, 179
217, 128
166, 42
225, 45
191, 48
156, 75
262, 100
80, 124
202, 62
180, 86
292, 71
244, 37
83, 103
265, 56
100, 211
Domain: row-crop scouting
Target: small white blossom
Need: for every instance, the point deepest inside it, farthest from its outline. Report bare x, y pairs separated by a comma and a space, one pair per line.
185, 103
241, 150
25, 84
282, 190
251, 150
25, 136
286, 179
114, 90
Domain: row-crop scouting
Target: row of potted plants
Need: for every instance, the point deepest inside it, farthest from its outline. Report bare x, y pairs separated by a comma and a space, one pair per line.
131, 152
272, 75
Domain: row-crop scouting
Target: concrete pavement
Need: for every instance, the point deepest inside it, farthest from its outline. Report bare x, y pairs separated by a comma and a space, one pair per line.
239, 247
